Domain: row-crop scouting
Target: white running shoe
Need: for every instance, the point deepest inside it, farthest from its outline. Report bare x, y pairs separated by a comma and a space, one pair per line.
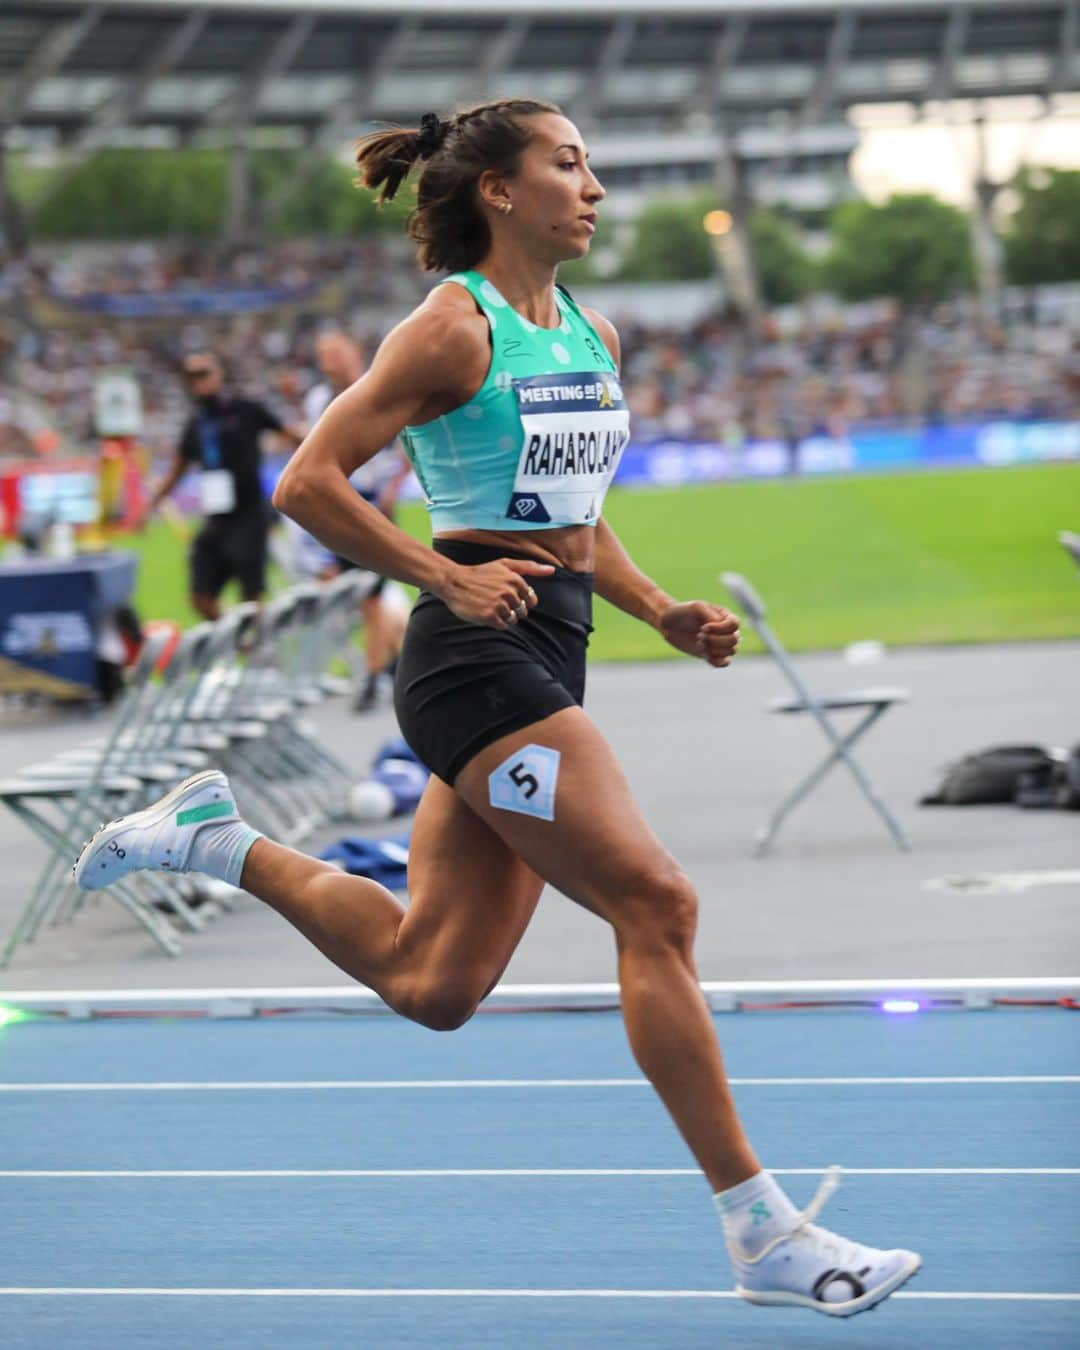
161, 836
813, 1268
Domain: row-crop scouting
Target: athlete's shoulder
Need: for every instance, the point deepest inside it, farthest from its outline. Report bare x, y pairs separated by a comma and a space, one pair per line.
447, 320
436, 348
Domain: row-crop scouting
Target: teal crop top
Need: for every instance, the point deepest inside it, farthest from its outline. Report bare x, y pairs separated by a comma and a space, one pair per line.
538, 444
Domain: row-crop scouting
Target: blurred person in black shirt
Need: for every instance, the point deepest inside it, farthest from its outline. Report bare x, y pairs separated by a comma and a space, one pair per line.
222, 438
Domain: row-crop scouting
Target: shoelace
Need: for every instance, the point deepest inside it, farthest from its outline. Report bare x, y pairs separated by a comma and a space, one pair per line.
841, 1251
839, 1247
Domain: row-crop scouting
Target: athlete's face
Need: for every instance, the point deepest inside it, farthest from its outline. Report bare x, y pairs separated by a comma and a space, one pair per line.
554, 194
339, 359
203, 375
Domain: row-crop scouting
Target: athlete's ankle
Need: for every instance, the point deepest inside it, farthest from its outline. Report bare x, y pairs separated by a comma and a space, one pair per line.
220, 851
755, 1213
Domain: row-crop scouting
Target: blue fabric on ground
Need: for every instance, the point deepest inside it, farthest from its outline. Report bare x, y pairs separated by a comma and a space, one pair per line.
395, 748
382, 860
406, 779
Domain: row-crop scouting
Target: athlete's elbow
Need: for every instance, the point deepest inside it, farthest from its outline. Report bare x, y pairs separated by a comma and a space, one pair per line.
288, 496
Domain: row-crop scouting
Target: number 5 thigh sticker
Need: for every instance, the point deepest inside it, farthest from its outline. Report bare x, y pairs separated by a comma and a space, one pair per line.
526, 782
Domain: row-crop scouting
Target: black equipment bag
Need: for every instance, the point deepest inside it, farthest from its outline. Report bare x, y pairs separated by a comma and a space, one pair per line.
994, 775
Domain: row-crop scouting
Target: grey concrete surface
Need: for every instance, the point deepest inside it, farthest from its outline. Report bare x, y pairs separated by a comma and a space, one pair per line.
834, 900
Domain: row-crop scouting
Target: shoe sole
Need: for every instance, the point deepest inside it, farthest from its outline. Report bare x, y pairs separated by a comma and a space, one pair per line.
763, 1298
150, 815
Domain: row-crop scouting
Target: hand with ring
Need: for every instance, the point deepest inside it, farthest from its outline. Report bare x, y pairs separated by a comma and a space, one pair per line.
495, 594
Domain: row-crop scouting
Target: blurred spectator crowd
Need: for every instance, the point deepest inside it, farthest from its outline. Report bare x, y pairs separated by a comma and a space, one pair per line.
813, 369
152, 268
821, 369
51, 351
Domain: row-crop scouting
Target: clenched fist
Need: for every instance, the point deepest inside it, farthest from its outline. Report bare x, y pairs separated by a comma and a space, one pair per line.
701, 629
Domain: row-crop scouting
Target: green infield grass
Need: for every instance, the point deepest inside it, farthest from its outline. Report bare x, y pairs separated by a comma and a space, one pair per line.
968, 556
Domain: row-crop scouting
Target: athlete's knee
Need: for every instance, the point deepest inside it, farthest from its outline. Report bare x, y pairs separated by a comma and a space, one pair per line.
661, 907
439, 1007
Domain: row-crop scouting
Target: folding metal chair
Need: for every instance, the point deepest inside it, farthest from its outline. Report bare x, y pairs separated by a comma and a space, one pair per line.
876, 701
232, 695
63, 799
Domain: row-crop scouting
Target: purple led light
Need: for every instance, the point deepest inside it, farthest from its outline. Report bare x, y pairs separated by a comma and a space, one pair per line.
900, 1005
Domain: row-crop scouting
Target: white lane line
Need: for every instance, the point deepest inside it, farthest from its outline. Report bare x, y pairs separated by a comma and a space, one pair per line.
996, 1296
990, 883
422, 1173
410, 1084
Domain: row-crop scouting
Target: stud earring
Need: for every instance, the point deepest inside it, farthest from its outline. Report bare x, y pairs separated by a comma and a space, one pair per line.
505, 208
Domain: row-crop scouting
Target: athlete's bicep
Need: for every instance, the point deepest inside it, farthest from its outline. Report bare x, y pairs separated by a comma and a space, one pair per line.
357, 425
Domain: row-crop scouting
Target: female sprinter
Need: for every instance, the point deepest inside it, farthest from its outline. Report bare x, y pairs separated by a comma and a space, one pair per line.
507, 396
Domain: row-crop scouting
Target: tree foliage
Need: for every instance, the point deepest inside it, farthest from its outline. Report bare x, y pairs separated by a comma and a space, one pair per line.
1042, 240
326, 200
785, 270
669, 244
912, 247
155, 194
135, 194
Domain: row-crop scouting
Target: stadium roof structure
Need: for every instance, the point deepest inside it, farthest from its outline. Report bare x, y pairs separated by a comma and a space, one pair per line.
88, 72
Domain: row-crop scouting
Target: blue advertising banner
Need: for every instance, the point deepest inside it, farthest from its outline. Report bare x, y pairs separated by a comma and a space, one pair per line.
865, 449
49, 612
163, 303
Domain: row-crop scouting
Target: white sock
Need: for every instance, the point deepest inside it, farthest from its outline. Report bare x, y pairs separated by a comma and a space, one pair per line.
754, 1213
221, 850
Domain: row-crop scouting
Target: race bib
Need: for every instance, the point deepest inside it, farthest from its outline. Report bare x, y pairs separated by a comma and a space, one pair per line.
217, 490
526, 782
576, 427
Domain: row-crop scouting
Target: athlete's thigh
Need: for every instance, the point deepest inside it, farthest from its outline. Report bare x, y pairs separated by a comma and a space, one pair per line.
598, 848
470, 896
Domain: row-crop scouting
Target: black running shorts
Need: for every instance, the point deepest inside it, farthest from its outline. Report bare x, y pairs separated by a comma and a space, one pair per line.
231, 548
459, 686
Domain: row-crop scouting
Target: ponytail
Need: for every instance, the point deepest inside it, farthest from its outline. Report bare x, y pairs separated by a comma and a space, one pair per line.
448, 224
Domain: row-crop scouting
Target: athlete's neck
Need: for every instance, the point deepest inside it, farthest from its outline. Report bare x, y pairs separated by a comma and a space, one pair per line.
527, 285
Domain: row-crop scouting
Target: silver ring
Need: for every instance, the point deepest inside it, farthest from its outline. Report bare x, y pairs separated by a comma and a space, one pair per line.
532, 595
521, 609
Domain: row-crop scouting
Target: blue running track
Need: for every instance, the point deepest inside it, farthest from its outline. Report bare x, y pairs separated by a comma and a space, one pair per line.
312, 1183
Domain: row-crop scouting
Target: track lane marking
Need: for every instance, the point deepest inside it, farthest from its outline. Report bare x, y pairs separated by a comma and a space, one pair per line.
421, 1084
422, 1173
995, 1296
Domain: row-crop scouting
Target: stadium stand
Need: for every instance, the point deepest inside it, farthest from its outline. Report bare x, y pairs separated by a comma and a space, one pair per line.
818, 369
754, 99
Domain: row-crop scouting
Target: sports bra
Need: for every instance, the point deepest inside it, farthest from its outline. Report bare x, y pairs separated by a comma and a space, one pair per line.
537, 445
